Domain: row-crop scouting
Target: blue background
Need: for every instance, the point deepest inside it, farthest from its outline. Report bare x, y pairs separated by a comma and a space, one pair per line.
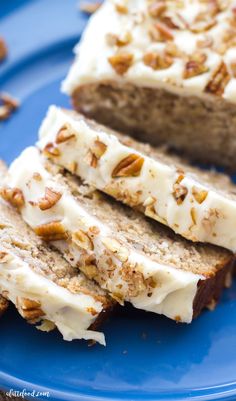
147, 357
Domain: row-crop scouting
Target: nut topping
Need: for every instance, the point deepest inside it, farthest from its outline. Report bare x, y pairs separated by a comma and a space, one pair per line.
29, 309
121, 62
199, 195
5, 257
195, 66
51, 150
218, 81
83, 240
180, 191
7, 106
157, 61
121, 8
122, 40
65, 134
50, 199
116, 248
160, 32
130, 166
14, 196
156, 9
98, 148
53, 231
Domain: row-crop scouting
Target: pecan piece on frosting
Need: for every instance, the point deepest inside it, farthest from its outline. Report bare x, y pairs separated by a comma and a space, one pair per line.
14, 196
95, 152
5, 257
52, 231
30, 310
3, 49
157, 61
121, 8
83, 240
65, 133
116, 248
195, 65
160, 32
179, 191
121, 62
49, 200
199, 194
50, 150
219, 80
7, 106
118, 40
130, 166
156, 9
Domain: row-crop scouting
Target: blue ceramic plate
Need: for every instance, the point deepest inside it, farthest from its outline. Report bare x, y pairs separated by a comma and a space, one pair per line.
147, 357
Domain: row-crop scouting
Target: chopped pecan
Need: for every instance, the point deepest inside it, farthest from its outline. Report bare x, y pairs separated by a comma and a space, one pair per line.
175, 21
50, 199
52, 231
179, 191
14, 196
90, 270
51, 150
130, 166
203, 22
219, 80
160, 32
116, 40
193, 215
5, 257
121, 7
65, 133
7, 106
30, 310
121, 62
157, 61
116, 248
83, 240
195, 65
172, 50
88, 7
156, 9
3, 49
37, 177
92, 311
199, 194
96, 151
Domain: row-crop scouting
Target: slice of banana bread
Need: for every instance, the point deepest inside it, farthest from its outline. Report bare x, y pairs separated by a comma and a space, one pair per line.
199, 205
134, 258
163, 71
46, 289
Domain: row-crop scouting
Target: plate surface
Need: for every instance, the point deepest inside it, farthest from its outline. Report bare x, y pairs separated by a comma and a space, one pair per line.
147, 357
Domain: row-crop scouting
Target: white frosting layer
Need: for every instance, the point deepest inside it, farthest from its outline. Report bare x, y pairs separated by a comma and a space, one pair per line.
176, 289
66, 310
92, 65
213, 220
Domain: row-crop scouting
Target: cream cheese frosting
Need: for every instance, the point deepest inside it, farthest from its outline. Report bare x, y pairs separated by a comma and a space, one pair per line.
67, 311
138, 36
173, 296
178, 196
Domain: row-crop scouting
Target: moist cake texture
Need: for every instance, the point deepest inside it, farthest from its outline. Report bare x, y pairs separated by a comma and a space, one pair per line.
199, 205
46, 289
135, 259
163, 71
